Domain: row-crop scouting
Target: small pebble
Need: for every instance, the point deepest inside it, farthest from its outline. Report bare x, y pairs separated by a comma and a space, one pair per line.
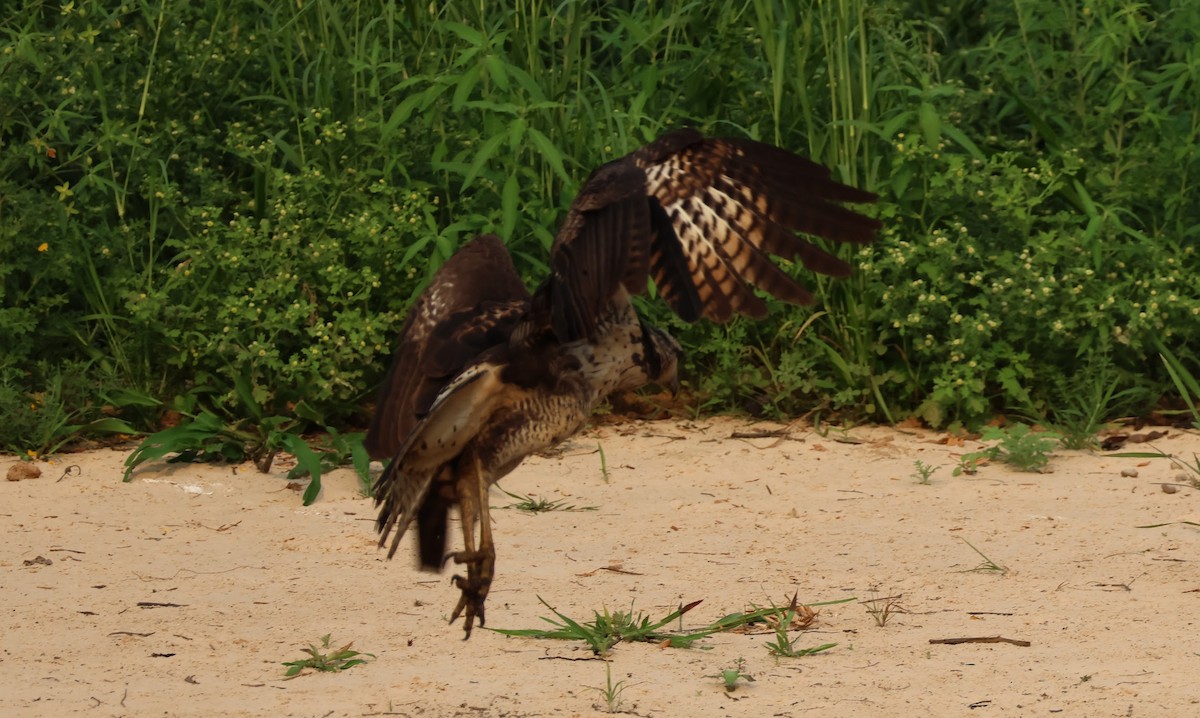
1182, 478
1169, 488
1129, 473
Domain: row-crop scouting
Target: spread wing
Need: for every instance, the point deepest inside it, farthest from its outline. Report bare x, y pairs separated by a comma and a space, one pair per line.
702, 216
472, 303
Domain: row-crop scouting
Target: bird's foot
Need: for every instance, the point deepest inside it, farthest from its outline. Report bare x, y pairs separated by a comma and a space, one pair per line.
471, 602
474, 587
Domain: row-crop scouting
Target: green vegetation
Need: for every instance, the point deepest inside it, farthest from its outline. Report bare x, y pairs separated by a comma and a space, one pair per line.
1185, 382
532, 504
1086, 399
205, 437
322, 658
923, 473
606, 630
212, 206
987, 565
730, 676
611, 692
882, 608
1018, 446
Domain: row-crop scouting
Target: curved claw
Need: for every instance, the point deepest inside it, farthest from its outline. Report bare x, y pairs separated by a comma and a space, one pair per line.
474, 593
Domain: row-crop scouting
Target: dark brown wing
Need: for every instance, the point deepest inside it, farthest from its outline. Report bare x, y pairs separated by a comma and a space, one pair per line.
702, 216
472, 303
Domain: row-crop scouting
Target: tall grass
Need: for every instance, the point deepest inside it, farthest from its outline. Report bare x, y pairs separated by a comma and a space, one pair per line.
200, 195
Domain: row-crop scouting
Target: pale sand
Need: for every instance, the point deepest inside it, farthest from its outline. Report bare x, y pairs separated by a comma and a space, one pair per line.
687, 513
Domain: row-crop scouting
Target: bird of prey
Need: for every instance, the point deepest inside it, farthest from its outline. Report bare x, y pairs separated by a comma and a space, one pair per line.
486, 373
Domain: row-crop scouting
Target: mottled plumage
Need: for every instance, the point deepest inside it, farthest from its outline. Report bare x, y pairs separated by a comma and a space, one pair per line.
486, 373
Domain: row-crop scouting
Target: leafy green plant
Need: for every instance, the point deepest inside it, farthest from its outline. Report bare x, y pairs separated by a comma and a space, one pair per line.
785, 620
1018, 446
922, 472
205, 437
969, 464
1081, 404
737, 672
41, 423
335, 449
324, 659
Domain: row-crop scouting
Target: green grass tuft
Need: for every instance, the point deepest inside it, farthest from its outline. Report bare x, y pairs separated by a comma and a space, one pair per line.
322, 658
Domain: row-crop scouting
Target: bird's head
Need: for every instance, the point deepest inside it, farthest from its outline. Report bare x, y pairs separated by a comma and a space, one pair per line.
662, 357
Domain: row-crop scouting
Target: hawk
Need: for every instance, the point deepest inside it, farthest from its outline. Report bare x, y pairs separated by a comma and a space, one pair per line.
486, 373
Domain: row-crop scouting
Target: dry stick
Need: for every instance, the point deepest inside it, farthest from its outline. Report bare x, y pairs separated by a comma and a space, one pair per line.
614, 569
668, 437
981, 639
780, 435
762, 433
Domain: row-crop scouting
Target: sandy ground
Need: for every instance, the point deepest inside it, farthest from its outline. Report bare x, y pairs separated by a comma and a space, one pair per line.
250, 577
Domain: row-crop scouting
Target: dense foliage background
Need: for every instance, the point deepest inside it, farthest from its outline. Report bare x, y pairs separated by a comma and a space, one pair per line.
228, 205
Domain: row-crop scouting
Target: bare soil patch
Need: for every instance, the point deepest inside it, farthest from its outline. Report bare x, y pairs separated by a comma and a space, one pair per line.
183, 592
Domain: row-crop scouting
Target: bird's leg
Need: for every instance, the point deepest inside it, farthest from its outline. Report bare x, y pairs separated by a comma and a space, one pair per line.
468, 509
481, 563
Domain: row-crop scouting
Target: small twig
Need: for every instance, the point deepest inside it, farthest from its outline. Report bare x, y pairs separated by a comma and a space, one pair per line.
779, 435
197, 573
221, 528
980, 639
761, 434
616, 569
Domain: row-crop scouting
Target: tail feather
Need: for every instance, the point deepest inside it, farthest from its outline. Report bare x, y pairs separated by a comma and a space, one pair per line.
399, 498
431, 531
